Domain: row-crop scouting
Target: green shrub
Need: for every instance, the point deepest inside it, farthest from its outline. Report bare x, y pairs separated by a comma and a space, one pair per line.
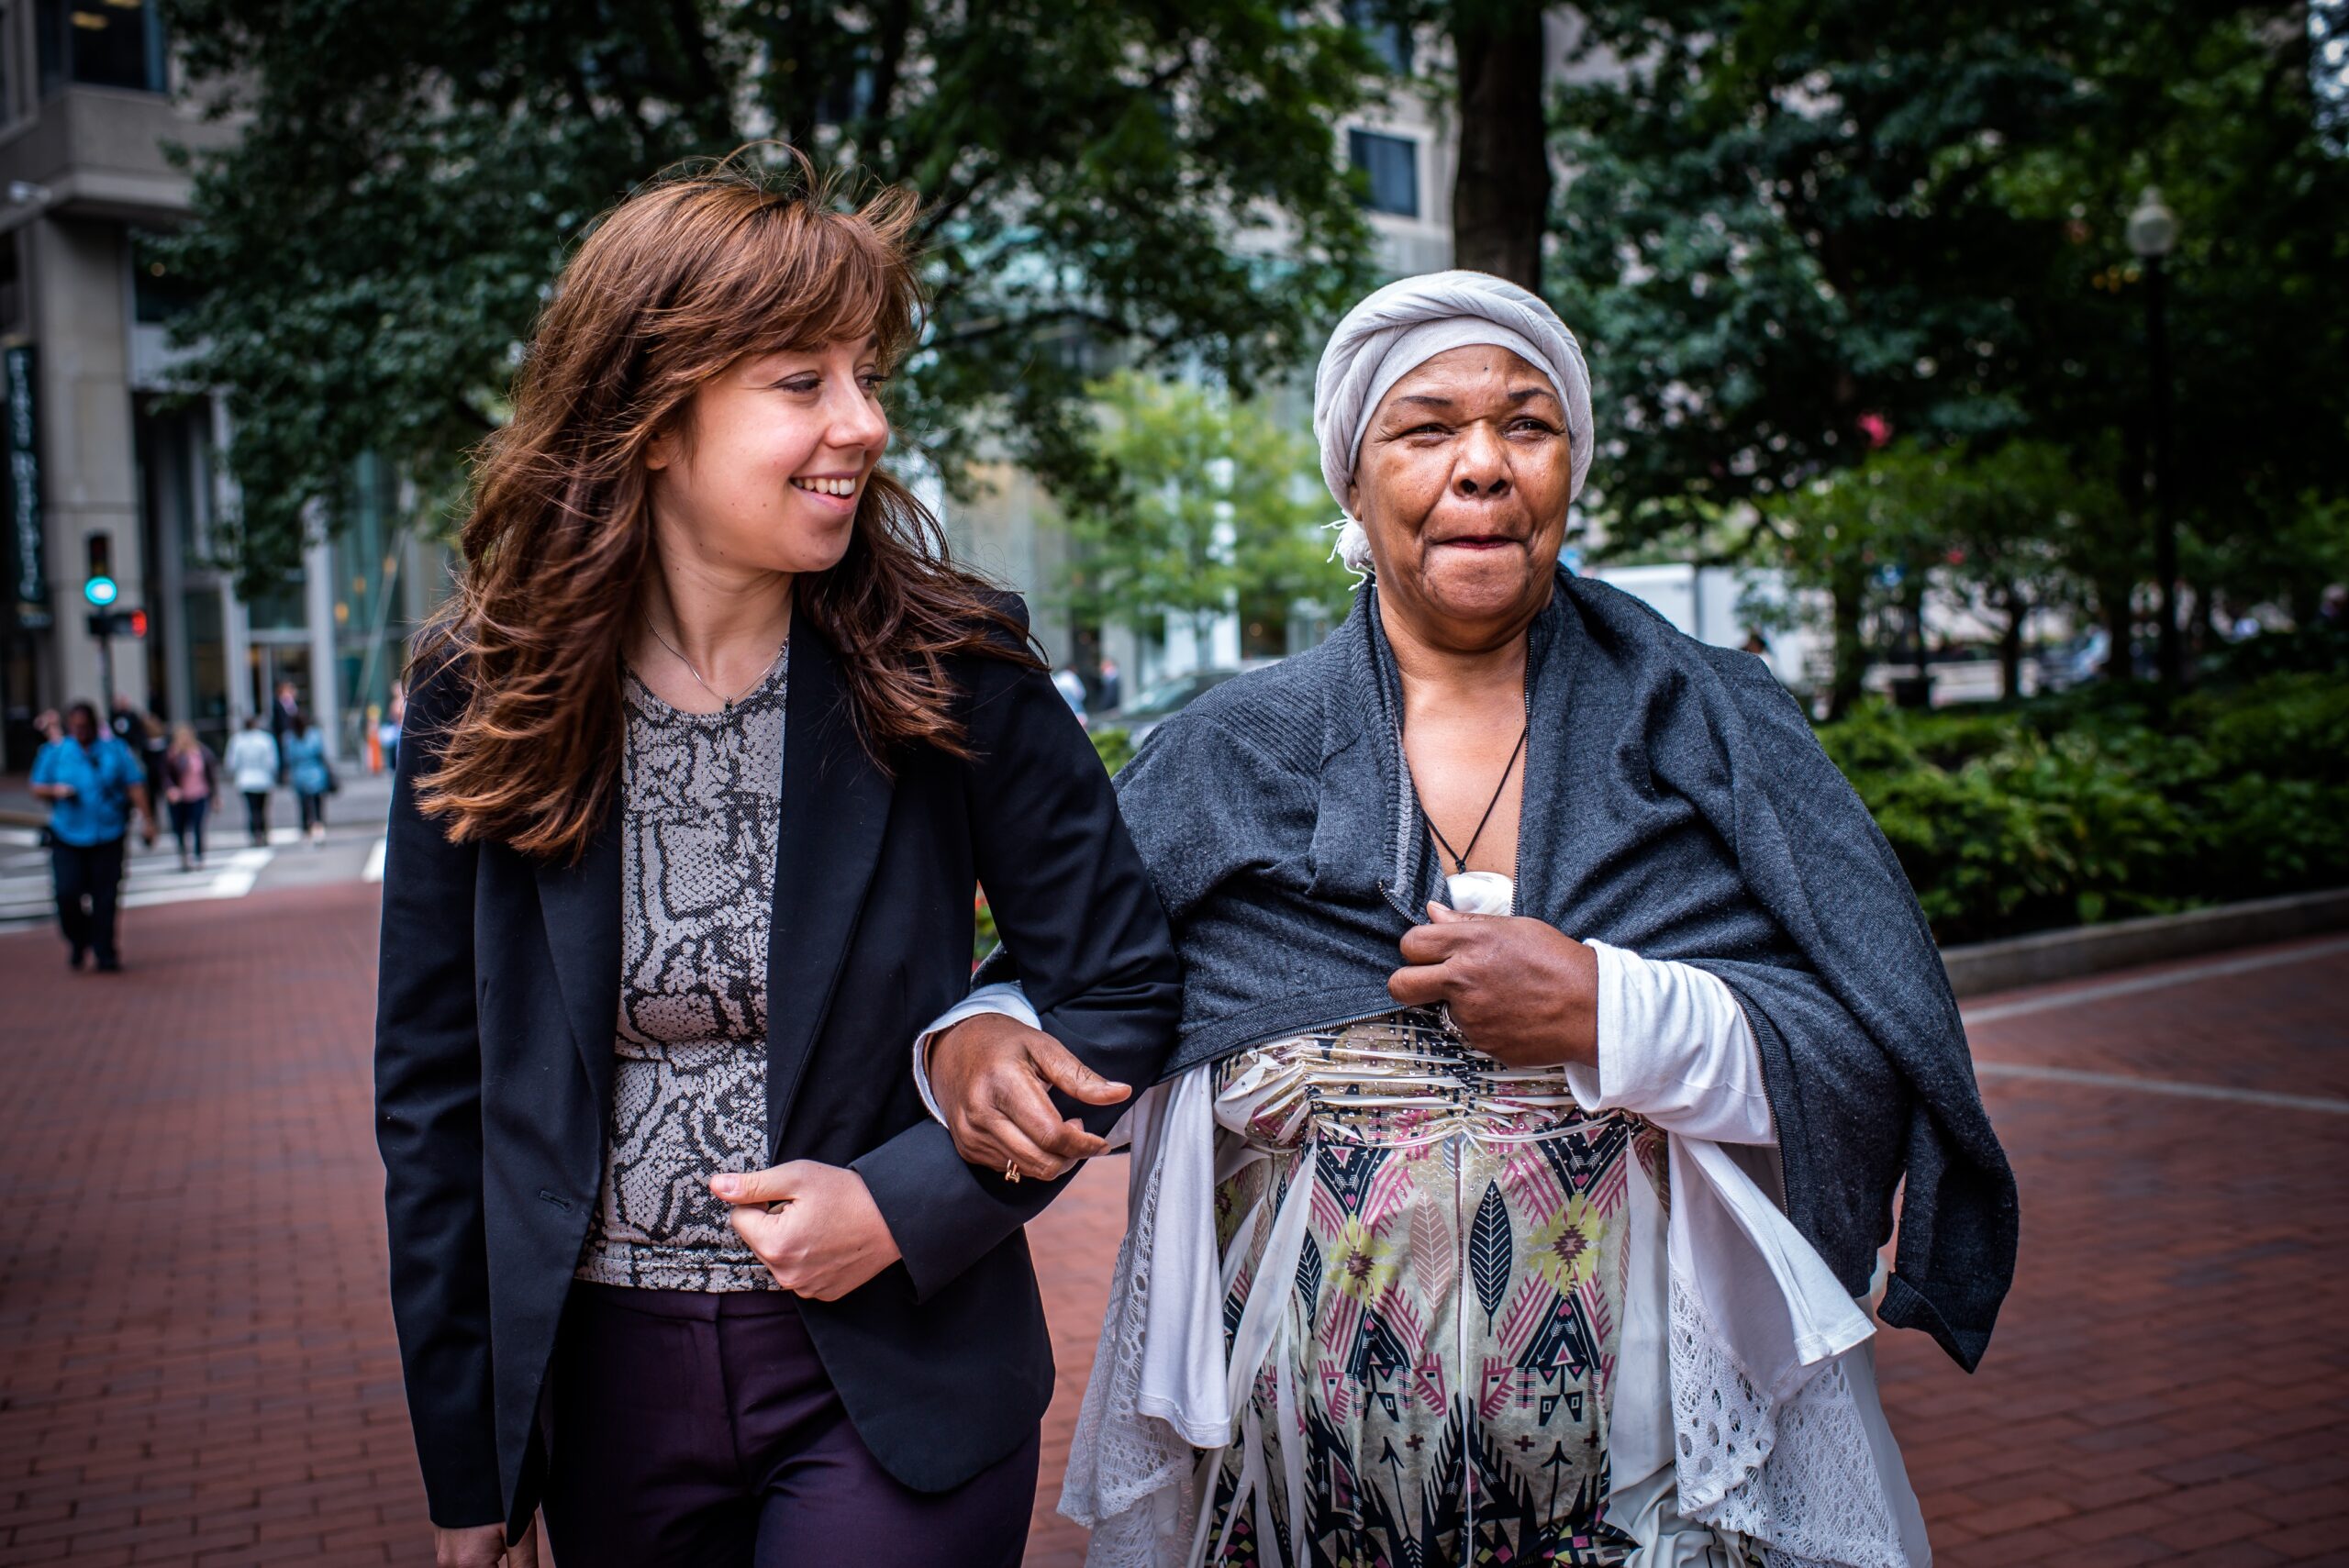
1116, 747
2078, 808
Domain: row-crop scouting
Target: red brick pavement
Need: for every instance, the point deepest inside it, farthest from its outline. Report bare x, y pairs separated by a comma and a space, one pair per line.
196, 1350
195, 1356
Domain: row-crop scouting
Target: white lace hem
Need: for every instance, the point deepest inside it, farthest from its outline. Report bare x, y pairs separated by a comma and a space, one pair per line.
1129, 1473
1797, 1476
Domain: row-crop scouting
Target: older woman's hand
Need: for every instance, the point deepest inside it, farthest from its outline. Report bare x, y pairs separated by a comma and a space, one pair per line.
1520, 991
993, 1078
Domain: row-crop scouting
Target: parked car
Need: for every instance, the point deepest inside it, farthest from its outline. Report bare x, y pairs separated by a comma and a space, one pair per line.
1157, 703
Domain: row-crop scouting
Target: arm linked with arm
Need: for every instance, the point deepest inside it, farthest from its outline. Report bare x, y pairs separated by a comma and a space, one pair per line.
1095, 957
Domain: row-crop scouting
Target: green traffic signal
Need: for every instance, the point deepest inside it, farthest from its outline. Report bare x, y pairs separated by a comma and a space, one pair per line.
101, 591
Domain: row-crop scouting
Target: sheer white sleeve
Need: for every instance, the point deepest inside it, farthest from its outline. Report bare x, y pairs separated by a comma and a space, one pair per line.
1005, 998
1673, 1046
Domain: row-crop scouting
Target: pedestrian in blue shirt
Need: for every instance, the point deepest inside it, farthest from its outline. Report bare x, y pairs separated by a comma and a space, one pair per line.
311, 774
94, 783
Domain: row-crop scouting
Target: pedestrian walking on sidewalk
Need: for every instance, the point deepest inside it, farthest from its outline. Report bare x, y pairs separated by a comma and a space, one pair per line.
253, 767
284, 709
308, 770
94, 784
387, 733
191, 780
1557, 1029
675, 1250
145, 735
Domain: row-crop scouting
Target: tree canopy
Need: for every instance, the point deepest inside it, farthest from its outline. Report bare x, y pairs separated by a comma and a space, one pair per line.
1157, 180
1212, 508
1797, 229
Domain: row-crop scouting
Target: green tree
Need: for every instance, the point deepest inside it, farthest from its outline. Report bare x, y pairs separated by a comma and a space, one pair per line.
1865, 539
370, 255
2023, 531
1796, 225
2217, 104
1774, 243
1213, 505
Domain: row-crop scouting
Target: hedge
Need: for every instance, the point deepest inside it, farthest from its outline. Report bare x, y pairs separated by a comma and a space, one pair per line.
2078, 809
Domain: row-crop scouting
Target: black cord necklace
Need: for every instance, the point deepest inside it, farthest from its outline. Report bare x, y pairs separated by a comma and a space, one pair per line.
1460, 857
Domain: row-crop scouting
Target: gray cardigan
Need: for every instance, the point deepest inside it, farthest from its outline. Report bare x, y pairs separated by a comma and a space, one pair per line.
1677, 803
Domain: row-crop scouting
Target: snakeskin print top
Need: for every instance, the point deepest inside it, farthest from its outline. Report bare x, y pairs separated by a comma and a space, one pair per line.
701, 802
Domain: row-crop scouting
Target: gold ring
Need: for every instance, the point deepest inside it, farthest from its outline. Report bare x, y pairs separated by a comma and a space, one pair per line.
1011, 1170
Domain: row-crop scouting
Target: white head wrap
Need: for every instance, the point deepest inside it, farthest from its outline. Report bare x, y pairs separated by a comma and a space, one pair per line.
1408, 323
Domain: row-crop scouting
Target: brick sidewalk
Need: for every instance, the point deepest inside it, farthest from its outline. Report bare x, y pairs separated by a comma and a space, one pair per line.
195, 1355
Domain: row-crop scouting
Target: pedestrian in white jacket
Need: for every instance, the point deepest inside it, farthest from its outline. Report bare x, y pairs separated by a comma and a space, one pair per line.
253, 767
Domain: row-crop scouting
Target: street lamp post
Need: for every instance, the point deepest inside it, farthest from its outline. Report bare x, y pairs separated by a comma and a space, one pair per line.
2153, 234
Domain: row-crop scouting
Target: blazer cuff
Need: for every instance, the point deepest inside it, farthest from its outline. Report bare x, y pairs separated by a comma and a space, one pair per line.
943, 1213
465, 1494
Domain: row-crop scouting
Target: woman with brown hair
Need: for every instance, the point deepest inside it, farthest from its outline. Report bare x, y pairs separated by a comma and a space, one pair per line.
675, 1250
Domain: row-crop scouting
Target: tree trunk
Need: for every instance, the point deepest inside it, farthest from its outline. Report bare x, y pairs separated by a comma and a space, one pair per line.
2011, 648
1500, 200
2120, 629
1916, 689
1849, 594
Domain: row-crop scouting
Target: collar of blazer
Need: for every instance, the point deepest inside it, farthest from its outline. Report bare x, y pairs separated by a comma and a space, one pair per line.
835, 806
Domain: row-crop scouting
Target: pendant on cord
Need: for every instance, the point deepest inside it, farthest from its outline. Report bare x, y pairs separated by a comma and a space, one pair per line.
1480, 893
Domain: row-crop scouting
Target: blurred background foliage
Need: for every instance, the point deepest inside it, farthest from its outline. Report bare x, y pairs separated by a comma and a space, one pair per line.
411, 177
2082, 807
1834, 256
1854, 279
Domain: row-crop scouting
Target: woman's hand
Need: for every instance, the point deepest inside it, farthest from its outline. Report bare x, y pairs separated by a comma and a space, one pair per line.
1520, 990
823, 1235
484, 1546
993, 1077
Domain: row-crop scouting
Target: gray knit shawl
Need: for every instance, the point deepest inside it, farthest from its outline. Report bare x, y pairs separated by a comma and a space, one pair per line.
1677, 803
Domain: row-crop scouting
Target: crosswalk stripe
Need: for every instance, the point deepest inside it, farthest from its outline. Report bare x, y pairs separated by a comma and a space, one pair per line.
27, 898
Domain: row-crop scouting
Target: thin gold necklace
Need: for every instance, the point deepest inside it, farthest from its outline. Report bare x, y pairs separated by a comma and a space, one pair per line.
725, 704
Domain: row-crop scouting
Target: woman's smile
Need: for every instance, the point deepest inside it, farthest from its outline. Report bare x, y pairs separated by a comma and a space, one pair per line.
836, 493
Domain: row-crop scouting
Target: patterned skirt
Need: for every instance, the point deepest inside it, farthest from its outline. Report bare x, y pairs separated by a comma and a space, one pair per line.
1431, 1375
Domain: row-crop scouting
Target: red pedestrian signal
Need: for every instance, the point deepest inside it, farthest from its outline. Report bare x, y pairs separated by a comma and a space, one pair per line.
137, 619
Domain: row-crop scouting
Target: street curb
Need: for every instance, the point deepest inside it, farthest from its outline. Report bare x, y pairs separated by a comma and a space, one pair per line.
1981, 968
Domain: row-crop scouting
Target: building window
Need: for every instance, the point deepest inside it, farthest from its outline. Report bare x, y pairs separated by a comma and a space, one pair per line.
157, 293
1391, 163
100, 43
1389, 40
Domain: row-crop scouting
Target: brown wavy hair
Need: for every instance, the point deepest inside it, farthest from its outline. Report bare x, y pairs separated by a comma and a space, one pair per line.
686, 277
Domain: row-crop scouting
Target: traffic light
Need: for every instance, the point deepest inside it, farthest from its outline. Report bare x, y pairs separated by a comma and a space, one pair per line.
117, 622
98, 585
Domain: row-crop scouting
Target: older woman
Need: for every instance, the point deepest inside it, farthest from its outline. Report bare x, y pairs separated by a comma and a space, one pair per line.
1541, 1246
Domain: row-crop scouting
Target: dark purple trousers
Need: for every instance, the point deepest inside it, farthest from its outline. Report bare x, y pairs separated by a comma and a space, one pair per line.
699, 1428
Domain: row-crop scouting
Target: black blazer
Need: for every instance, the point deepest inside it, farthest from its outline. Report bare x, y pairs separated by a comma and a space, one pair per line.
497, 1007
